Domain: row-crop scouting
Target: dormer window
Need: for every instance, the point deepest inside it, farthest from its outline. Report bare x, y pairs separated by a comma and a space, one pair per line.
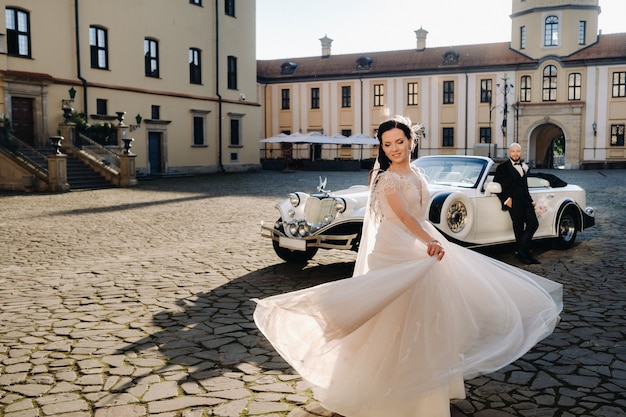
288, 68
451, 58
363, 63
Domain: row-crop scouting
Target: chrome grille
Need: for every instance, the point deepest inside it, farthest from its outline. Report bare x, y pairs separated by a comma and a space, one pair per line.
318, 213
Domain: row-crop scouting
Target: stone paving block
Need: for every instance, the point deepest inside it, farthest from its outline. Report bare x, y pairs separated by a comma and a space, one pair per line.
161, 391
121, 411
64, 407
181, 403
20, 405
231, 408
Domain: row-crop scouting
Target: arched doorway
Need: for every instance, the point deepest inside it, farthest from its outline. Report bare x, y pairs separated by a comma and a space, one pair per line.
547, 146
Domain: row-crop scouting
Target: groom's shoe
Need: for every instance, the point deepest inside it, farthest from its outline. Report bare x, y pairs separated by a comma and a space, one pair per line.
532, 259
526, 258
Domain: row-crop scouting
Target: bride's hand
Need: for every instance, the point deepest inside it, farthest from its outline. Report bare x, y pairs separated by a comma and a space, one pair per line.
435, 249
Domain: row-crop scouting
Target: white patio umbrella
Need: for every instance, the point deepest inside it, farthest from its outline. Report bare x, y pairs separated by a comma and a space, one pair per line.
282, 137
363, 139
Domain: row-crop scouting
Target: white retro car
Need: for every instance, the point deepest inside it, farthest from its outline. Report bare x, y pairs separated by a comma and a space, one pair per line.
463, 206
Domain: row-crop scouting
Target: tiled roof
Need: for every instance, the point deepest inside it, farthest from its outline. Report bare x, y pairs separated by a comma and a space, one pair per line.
609, 47
470, 58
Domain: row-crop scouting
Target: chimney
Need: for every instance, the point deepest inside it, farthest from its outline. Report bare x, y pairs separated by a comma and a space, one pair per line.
421, 34
326, 42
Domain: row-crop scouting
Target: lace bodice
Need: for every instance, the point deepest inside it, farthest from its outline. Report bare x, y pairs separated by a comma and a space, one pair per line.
413, 188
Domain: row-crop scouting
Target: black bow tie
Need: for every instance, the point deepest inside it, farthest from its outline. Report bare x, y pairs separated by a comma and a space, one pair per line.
517, 163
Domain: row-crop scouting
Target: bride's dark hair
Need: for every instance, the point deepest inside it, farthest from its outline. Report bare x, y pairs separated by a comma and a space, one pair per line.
402, 123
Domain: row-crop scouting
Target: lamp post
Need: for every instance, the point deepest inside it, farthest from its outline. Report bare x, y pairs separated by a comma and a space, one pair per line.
506, 89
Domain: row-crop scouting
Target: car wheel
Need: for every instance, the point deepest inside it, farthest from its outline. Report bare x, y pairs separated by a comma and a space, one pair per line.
292, 256
566, 229
457, 216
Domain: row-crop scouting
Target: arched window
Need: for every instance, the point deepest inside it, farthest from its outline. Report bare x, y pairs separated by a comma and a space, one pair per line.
549, 83
551, 35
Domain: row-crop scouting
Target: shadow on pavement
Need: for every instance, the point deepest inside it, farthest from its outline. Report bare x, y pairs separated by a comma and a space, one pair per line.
213, 332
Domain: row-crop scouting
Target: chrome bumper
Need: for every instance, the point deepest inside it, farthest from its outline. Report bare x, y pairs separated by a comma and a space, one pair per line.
344, 242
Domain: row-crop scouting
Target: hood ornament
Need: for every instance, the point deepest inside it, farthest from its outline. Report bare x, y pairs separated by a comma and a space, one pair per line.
322, 186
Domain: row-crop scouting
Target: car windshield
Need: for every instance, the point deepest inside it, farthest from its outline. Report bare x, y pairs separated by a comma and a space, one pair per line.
454, 171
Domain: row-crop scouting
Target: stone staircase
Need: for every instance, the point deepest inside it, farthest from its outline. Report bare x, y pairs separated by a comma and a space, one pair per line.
80, 176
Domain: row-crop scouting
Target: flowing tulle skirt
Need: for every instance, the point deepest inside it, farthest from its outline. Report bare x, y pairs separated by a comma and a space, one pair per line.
399, 340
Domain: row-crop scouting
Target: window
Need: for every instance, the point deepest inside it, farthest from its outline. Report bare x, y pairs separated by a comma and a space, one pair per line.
196, 2
448, 92
98, 47
551, 35
379, 95
522, 37
101, 106
229, 7
155, 112
447, 137
235, 138
619, 84
346, 96
346, 132
411, 94
524, 88
284, 99
485, 91
485, 135
195, 70
315, 98
574, 86
582, 31
549, 83
232, 73
18, 32
617, 135
151, 57
198, 130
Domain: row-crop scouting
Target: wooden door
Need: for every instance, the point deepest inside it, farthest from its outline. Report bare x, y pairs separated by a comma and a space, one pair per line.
154, 152
22, 119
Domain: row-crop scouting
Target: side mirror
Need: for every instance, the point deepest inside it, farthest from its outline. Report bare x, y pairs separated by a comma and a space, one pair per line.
493, 188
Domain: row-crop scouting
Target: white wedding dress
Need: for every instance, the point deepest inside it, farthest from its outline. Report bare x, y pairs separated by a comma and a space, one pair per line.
398, 338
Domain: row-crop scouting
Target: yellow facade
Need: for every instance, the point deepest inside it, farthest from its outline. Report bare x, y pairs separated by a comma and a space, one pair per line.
551, 87
60, 57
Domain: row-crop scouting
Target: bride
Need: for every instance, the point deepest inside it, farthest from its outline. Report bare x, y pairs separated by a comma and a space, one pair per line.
419, 315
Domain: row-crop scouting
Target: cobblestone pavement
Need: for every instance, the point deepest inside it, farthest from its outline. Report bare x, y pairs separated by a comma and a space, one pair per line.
136, 302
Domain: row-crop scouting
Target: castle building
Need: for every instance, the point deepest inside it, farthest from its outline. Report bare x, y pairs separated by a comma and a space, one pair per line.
558, 88
183, 71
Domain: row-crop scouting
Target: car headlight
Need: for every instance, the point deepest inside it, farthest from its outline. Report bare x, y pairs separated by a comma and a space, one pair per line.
340, 205
294, 199
303, 229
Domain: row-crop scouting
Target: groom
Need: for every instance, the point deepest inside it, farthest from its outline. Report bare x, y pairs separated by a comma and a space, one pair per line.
512, 176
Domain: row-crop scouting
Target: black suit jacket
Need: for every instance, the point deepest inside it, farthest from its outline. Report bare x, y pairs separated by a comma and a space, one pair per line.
513, 185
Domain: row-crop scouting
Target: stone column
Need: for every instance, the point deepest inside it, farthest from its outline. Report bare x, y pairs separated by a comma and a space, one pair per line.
57, 173
128, 177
